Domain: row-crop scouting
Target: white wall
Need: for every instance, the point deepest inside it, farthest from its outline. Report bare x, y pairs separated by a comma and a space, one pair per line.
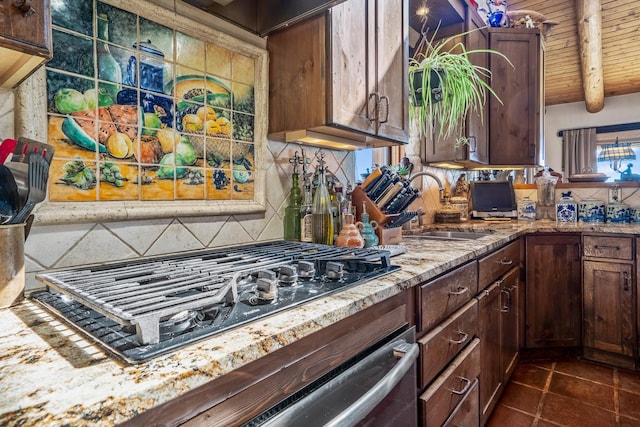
617, 110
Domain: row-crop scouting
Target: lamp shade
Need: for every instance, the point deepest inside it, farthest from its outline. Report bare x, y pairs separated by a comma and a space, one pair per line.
616, 151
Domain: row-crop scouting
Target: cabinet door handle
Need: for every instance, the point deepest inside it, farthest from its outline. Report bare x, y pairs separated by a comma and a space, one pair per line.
24, 6
465, 387
507, 305
461, 290
463, 338
384, 99
376, 102
506, 261
625, 281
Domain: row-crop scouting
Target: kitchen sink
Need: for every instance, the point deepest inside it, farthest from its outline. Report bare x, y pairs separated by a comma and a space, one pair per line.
449, 235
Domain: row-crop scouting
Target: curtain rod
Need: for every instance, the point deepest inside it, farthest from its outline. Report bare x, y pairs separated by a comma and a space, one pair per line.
609, 128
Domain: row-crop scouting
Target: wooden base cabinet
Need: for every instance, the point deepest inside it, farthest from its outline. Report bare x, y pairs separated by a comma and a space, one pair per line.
489, 332
608, 300
553, 291
510, 322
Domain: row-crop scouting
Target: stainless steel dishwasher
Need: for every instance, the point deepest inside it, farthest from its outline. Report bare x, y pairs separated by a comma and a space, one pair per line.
376, 388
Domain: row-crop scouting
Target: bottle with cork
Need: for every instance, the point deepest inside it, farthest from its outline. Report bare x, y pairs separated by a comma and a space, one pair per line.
322, 218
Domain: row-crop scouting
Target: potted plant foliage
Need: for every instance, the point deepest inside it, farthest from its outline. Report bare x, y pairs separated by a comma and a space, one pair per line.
446, 85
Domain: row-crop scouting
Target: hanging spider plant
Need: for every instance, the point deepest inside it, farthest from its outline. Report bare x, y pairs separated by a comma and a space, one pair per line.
446, 85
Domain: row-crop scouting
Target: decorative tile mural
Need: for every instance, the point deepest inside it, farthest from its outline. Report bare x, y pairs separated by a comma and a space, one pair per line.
140, 111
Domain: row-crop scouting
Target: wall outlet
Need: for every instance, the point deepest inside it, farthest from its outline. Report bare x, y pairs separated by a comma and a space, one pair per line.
615, 194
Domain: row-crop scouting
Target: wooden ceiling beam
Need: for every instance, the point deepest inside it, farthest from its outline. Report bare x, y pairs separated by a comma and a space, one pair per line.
589, 20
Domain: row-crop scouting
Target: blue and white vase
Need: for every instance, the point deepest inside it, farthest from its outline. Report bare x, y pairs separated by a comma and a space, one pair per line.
592, 210
566, 209
527, 209
617, 213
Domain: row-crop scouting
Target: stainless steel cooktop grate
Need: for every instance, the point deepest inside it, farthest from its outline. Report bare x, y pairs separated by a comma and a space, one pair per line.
143, 293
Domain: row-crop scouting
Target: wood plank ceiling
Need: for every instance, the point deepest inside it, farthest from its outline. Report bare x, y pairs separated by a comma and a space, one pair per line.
620, 48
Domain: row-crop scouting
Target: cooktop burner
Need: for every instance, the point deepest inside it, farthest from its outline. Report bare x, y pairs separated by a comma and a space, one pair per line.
143, 308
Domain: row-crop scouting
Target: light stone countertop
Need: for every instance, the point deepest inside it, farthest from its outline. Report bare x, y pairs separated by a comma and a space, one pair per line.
52, 376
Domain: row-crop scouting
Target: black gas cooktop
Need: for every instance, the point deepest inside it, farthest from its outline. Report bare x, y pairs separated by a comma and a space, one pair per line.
140, 309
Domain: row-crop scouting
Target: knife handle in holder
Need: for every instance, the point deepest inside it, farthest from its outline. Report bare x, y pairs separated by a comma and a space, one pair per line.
358, 197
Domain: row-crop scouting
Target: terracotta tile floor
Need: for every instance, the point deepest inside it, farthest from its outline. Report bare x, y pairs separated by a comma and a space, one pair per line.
568, 393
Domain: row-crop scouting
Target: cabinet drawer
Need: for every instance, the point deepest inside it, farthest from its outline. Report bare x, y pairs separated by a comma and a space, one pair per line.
468, 411
495, 265
444, 295
446, 340
608, 247
449, 389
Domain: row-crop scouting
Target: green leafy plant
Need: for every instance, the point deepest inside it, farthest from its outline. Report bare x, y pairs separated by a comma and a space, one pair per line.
446, 85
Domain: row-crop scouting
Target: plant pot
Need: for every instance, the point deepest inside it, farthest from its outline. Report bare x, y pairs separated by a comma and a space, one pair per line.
435, 84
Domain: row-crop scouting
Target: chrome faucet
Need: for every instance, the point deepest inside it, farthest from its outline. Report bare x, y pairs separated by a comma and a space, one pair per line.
435, 178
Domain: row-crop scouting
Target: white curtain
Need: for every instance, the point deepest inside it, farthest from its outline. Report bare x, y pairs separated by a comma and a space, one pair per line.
579, 151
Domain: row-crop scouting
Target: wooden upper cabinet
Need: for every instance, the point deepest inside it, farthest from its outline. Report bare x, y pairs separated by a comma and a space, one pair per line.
25, 40
343, 73
516, 124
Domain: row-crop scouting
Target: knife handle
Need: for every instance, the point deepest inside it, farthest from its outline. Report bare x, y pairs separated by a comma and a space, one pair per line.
370, 180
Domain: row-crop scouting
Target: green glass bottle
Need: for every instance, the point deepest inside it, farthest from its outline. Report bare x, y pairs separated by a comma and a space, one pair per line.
322, 219
108, 68
306, 214
292, 212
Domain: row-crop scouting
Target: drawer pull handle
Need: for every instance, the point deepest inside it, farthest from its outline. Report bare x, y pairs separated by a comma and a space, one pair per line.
617, 248
463, 338
461, 290
507, 305
465, 387
505, 261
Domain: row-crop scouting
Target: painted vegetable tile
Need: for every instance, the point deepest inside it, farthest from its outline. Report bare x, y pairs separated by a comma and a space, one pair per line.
139, 111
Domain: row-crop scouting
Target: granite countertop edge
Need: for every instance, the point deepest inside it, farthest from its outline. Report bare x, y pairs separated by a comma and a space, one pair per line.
51, 375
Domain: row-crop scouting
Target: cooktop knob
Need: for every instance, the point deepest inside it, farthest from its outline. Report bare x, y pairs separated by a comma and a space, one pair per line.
288, 275
335, 270
266, 290
306, 269
267, 274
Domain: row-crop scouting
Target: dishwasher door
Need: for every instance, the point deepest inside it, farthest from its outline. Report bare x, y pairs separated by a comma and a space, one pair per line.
378, 390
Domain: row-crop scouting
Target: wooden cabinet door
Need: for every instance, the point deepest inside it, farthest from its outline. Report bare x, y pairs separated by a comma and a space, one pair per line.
515, 131
392, 51
352, 79
478, 122
26, 33
509, 288
490, 348
554, 291
608, 307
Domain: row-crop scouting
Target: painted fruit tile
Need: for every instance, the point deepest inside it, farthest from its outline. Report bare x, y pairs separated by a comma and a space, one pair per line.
243, 191
243, 69
243, 100
73, 15
160, 189
218, 61
72, 53
190, 51
192, 185
218, 184
65, 148
159, 35
243, 125
72, 180
57, 82
117, 181
122, 25
216, 151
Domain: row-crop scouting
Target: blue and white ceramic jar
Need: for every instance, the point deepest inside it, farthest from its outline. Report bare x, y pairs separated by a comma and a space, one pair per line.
592, 210
527, 209
566, 209
617, 213
634, 215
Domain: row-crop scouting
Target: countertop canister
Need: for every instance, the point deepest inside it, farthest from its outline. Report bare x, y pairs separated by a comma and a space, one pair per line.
592, 210
12, 277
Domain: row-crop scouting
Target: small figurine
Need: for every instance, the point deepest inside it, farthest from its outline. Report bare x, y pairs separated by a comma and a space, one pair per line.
462, 186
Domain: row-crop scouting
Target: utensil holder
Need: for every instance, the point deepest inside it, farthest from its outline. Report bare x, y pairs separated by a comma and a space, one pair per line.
12, 270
